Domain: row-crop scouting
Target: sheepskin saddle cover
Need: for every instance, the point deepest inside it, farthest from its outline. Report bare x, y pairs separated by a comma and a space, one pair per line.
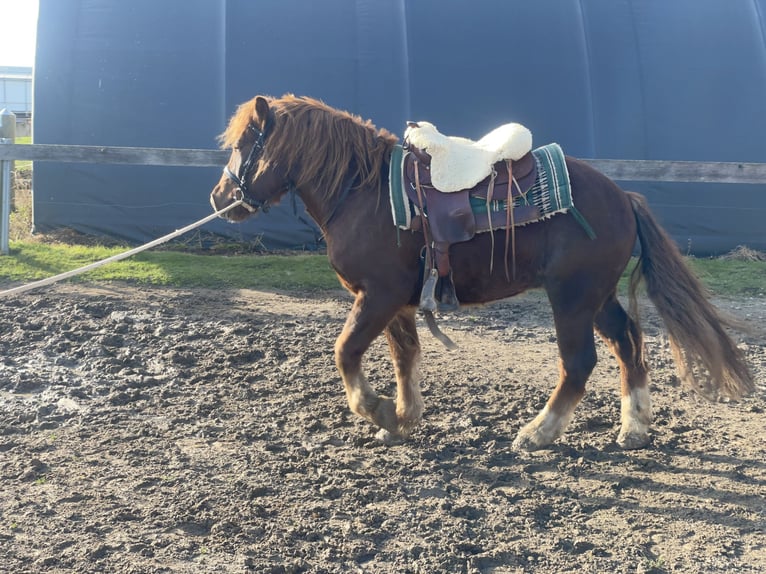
459, 163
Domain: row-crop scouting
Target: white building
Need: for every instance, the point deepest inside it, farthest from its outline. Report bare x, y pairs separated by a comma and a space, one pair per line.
16, 90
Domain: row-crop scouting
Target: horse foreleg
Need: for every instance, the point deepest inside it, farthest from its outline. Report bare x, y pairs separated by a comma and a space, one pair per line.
578, 357
403, 343
625, 341
363, 324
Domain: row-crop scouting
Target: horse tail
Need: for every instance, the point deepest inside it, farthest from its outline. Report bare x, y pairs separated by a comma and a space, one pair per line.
706, 357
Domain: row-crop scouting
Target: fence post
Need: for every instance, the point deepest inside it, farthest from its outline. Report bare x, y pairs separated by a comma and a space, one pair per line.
7, 136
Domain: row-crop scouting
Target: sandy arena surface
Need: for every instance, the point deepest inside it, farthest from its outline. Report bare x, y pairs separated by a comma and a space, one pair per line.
162, 430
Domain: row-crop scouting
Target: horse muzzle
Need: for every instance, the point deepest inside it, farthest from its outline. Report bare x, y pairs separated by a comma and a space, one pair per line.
219, 202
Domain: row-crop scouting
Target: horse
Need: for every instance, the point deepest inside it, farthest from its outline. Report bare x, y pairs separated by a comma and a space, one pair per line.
337, 163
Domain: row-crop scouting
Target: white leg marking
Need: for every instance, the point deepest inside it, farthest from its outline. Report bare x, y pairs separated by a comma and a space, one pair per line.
409, 401
358, 390
546, 427
636, 418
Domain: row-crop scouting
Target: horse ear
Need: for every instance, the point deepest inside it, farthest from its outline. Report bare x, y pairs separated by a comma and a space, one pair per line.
261, 112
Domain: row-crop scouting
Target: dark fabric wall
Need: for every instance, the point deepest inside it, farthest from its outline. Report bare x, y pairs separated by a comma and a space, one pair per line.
641, 79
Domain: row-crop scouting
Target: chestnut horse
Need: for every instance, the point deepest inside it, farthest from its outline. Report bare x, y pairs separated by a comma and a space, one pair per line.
338, 165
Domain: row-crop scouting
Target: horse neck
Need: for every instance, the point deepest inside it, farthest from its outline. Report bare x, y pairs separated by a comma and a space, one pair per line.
324, 211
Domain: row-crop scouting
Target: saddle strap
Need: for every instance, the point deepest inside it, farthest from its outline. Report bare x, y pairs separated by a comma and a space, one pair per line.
424, 220
490, 192
510, 227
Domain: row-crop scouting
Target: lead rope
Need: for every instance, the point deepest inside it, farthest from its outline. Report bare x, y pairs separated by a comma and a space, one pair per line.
119, 256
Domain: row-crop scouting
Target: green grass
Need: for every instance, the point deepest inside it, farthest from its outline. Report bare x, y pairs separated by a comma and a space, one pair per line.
29, 261
23, 164
728, 276
722, 277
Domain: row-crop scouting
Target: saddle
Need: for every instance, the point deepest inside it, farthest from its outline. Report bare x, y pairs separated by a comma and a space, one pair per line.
460, 163
448, 216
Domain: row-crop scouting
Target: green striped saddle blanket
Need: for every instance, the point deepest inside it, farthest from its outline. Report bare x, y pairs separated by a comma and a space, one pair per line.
550, 194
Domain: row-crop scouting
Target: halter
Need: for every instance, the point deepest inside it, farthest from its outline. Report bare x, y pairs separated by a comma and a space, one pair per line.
254, 205
245, 169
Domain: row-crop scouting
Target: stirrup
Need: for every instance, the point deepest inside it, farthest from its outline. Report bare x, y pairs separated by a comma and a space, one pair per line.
428, 293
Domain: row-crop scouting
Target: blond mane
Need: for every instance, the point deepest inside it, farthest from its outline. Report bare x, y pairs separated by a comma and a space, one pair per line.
316, 143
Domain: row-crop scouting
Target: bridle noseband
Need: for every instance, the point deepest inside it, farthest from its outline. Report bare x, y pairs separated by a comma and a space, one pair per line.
245, 170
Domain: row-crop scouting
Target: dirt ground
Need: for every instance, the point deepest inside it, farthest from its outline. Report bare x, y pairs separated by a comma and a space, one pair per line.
161, 430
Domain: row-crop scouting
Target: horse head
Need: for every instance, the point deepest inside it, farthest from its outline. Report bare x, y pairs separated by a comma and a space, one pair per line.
249, 176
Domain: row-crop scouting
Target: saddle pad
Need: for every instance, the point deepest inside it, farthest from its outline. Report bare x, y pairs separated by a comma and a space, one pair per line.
550, 194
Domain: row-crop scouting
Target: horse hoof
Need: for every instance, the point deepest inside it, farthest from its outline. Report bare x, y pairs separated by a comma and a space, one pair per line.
632, 441
388, 438
525, 443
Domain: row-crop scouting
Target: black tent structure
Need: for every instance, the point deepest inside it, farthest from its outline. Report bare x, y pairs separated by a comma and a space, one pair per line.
620, 79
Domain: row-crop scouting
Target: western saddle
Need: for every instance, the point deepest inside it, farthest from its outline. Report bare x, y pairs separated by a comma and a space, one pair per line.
460, 187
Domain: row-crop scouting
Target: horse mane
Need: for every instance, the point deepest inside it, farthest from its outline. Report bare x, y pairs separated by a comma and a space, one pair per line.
317, 144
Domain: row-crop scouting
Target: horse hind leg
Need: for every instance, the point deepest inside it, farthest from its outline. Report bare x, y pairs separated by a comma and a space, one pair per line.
577, 350
623, 336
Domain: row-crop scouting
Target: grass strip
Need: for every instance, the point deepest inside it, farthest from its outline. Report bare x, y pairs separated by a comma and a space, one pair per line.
29, 261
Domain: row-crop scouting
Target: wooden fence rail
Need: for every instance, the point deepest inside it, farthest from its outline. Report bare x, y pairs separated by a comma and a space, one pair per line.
680, 171
623, 170
119, 155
